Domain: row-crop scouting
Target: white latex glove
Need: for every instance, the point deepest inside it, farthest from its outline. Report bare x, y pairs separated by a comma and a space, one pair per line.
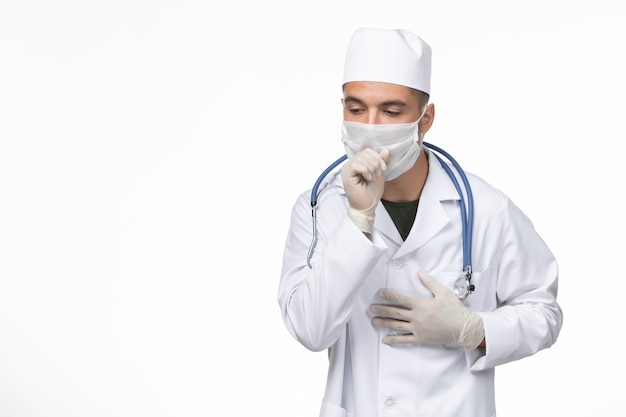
438, 320
363, 179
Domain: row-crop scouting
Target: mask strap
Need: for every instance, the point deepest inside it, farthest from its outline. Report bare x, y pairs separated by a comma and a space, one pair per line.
419, 134
423, 112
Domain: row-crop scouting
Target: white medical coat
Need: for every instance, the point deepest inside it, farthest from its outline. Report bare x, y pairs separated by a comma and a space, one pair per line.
326, 306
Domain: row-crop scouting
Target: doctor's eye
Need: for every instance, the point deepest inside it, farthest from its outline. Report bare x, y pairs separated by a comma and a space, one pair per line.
355, 110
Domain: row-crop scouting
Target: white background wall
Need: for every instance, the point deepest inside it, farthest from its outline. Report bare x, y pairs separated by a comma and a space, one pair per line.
150, 152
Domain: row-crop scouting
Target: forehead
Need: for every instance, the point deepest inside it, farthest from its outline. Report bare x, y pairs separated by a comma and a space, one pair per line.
377, 92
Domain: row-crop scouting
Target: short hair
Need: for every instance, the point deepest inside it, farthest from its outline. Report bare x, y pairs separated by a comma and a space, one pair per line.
422, 97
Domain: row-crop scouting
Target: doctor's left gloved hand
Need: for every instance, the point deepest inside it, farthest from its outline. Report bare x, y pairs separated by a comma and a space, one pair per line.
438, 320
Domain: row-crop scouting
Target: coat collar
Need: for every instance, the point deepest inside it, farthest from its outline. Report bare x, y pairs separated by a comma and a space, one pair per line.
431, 215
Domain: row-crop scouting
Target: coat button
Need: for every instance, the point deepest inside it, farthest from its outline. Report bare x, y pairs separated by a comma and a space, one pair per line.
390, 402
397, 264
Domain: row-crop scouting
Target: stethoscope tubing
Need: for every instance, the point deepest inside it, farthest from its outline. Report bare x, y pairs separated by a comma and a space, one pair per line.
467, 216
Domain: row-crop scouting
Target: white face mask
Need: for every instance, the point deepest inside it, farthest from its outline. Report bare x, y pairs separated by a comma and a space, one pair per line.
400, 139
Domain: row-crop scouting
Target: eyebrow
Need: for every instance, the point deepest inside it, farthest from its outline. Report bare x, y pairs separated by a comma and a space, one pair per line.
352, 99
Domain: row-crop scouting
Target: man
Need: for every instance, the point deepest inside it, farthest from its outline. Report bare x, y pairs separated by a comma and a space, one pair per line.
378, 289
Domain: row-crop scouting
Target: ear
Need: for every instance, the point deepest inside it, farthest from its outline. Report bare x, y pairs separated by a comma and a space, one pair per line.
427, 119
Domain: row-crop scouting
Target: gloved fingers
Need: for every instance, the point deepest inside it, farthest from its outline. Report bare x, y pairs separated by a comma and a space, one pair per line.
369, 164
435, 287
396, 298
399, 331
385, 154
397, 326
384, 312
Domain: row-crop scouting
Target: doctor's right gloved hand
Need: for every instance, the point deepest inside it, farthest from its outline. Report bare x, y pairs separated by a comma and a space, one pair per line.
363, 179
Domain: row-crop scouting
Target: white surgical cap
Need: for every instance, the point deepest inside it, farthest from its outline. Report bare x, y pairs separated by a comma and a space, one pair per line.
390, 56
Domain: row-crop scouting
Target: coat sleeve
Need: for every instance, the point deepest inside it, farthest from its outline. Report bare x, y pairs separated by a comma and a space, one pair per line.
528, 317
317, 302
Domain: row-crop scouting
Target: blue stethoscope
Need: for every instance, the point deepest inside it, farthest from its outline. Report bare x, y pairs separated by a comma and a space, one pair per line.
463, 285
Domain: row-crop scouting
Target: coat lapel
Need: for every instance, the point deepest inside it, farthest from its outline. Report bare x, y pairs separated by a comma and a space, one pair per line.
431, 216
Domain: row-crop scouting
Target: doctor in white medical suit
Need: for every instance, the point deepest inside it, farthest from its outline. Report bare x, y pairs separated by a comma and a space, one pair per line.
380, 287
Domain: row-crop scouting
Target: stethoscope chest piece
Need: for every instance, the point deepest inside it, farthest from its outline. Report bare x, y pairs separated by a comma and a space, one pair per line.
463, 286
